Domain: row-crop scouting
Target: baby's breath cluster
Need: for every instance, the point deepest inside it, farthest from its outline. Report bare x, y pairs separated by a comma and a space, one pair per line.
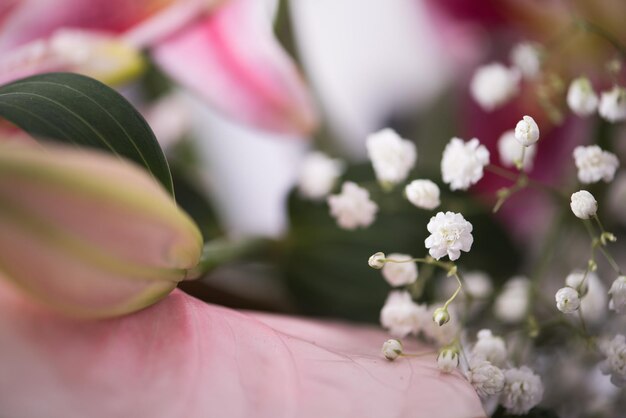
496, 364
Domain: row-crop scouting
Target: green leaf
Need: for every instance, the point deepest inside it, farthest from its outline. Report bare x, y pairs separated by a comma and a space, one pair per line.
76, 109
326, 267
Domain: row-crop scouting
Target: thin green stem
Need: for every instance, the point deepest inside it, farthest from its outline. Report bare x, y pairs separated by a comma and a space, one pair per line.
602, 230
426, 353
456, 292
611, 260
600, 32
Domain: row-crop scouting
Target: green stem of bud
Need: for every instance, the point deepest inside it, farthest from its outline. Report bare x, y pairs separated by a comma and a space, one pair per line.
222, 250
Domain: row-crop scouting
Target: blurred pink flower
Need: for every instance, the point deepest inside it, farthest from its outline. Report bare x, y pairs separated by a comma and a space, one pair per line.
224, 50
184, 358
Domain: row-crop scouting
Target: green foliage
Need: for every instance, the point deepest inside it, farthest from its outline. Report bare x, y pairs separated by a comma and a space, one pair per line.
533, 413
79, 110
326, 267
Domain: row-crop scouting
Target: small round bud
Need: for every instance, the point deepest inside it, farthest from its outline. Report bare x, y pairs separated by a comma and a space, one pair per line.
583, 204
527, 131
575, 281
423, 194
581, 98
567, 300
392, 349
493, 85
377, 261
618, 295
613, 104
526, 57
448, 359
441, 316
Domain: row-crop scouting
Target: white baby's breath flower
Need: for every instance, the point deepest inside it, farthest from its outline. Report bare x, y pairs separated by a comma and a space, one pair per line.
510, 151
447, 360
423, 193
399, 274
486, 378
391, 156
615, 362
594, 164
318, 175
527, 131
526, 57
618, 295
581, 98
377, 260
522, 391
512, 303
583, 204
594, 305
489, 347
463, 162
400, 315
567, 300
493, 85
613, 104
352, 208
392, 349
450, 234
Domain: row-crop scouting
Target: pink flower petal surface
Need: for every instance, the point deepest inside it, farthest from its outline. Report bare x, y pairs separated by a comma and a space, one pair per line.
184, 358
232, 59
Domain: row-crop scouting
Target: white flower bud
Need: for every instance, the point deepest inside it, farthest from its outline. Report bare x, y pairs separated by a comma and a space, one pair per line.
392, 349
423, 193
618, 295
377, 261
399, 274
510, 151
352, 208
441, 316
581, 98
575, 281
594, 164
527, 131
522, 391
526, 58
613, 104
583, 204
447, 360
615, 362
511, 305
318, 175
567, 300
463, 162
489, 347
486, 378
493, 85
392, 156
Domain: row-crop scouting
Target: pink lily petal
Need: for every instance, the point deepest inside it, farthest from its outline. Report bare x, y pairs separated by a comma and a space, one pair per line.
95, 54
36, 19
233, 60
88, 233
184, 358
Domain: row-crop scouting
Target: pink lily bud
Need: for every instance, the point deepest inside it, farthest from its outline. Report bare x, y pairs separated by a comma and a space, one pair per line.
88, 233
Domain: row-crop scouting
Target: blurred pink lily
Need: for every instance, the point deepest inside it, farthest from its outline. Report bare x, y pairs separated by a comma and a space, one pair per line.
184, 358
223, 50
90, 234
